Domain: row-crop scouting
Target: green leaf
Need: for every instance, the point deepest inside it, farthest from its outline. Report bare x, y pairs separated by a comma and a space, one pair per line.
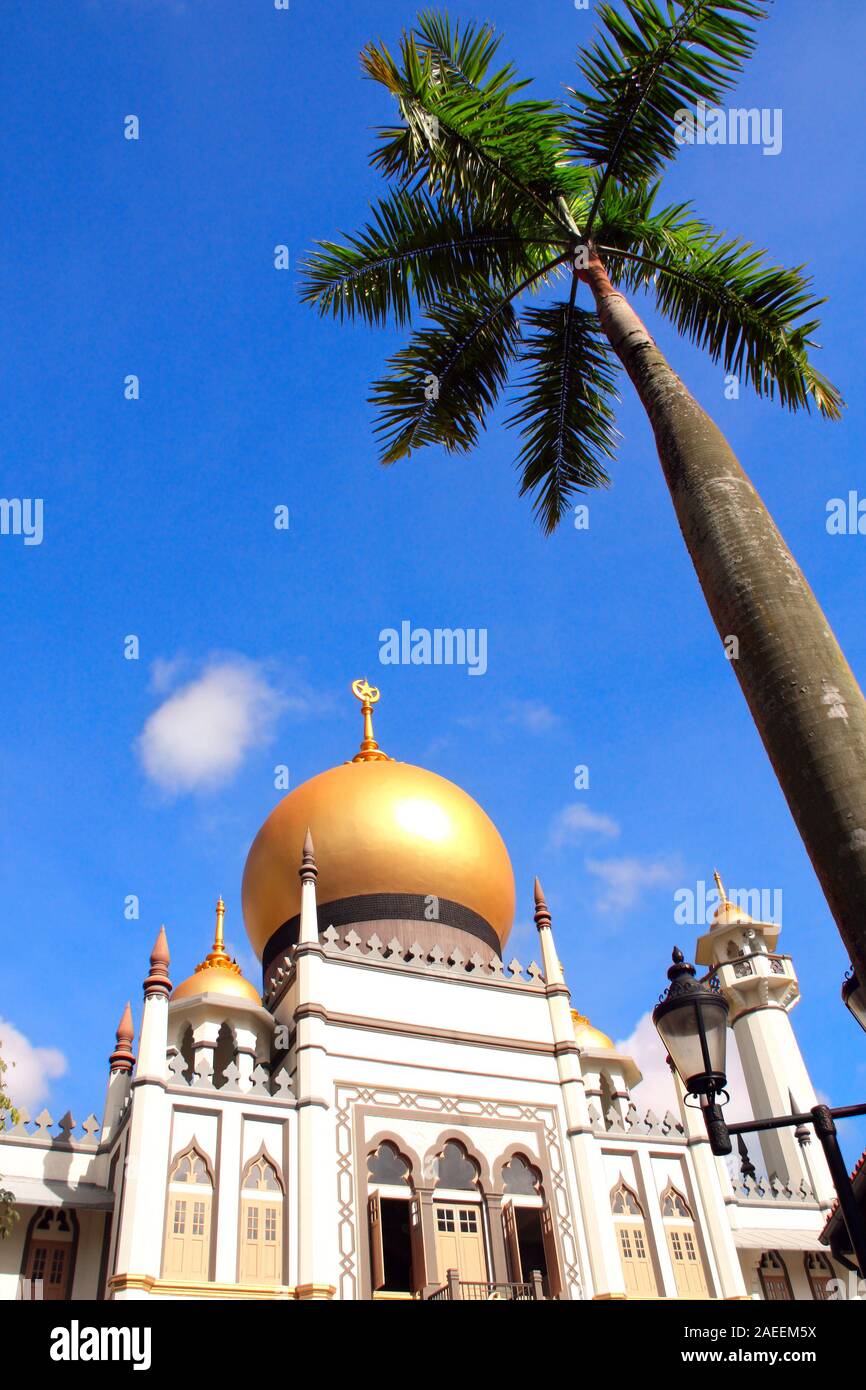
723, 294
649, 63
413, 252
440, 387
565, 409
469, 144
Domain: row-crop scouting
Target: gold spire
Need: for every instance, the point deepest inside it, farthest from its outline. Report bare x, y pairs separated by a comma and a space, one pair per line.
218, 955
727, 914
219, 940
218, 972
370, 752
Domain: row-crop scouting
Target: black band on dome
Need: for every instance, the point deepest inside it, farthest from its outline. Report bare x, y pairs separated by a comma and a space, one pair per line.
383, 907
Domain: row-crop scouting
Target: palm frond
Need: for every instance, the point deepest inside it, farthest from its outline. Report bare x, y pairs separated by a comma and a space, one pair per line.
723, 294
414, 251
650, 63
467, 142
463, 56
440, 387
564, 408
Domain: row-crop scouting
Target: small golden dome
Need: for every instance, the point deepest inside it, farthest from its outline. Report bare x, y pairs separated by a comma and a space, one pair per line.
218, 973
380, 827
727, 914
587, 1036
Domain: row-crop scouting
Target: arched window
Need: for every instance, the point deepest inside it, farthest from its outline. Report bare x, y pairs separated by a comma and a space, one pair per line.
520, 1178
50, 1254
224, 1054
387, 1166
455, 1169
459, 1225
261, 1242
528, 1226
397, 1259
633, 1241
774, 1279
683, 1245
675, 1204
606, 1099
819, 1272
187, 1052
188, 1224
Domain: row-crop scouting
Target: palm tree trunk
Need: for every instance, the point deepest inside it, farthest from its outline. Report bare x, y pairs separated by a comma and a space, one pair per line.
804, 699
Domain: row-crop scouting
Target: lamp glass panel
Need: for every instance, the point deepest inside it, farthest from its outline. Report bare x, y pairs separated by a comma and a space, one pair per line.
680, 1032
856, 1001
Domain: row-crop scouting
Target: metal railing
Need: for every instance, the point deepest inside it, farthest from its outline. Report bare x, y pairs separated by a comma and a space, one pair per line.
489, 1291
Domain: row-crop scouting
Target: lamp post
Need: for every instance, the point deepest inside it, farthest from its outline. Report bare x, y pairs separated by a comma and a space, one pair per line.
854, 997
691, 1018
692, 1021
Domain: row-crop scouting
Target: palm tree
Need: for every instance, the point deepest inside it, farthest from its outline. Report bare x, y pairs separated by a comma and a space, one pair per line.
498, 200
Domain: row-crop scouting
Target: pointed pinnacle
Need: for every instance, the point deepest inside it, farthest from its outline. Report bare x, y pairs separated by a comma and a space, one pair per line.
159, 955
308, 867
542, 911
123, 1056
157, 981
125, 1028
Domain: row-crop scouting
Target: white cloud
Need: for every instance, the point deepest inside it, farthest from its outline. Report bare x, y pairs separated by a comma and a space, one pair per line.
626, 879
164, 673
576, 821
30, 1069
533, 716
200, 734
656, 1090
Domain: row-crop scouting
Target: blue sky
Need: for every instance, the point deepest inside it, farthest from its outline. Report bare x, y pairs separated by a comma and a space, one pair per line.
155, 257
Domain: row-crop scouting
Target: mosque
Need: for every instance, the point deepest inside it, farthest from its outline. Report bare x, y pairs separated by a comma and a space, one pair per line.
401, 1112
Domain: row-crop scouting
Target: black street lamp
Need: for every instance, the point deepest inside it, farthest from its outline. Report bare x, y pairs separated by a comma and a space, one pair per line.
854, 997
691, 1019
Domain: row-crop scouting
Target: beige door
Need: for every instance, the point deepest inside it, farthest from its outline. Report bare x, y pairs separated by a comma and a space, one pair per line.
460, 1242
637, 1269
687, 1262
187, 1241
261, 1247
50, 1261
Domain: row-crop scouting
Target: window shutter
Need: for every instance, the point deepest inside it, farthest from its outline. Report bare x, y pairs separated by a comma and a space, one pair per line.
554, 1279
509, 1227
416, 1233
377, 1253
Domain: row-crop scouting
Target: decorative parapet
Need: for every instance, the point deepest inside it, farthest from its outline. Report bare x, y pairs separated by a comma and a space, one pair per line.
262, 1084
648, 1126
477, 968
38, 1131
761, 1188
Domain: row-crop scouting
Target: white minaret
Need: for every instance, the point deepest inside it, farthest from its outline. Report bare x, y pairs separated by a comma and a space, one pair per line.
605, 1269
121, 1062
139, 1241
317, 1253
761, 988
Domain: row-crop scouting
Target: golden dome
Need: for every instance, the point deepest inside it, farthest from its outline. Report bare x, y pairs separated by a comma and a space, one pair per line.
727, 914
379, 827
218, 973
587, 1036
